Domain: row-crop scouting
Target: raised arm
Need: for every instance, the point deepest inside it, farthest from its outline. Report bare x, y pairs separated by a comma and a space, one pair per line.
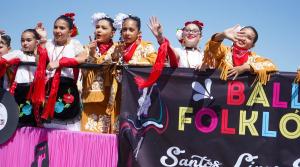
233, 34
215, 51
42, 32
157, 30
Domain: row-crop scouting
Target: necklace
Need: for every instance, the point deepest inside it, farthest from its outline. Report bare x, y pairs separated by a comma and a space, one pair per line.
57, 56
28, 67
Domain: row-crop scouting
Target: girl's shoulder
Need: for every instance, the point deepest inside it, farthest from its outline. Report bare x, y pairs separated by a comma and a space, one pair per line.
146, 43
75, 41
179, 50
16, 52
13, 54
76, 46
50, 43
147, 47
253, 54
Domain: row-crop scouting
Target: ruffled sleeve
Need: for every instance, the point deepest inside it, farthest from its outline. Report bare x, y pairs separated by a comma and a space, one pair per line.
214, 52
78, 48
262, 67
12, 55
150, 54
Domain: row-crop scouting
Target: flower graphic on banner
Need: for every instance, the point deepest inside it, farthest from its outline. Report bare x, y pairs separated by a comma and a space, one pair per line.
203, 92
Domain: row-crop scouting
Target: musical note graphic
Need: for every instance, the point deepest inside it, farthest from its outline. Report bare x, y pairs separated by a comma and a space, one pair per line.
41, 150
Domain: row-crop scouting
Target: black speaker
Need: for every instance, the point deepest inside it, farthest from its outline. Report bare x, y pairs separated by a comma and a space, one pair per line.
9, 115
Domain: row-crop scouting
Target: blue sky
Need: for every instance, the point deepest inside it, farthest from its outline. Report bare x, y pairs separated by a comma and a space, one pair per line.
276, 21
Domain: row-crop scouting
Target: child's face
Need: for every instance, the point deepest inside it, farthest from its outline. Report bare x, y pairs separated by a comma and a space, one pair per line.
4, 49
61, 32
130, 31
191, 35
104, 32
28, 42
247, 41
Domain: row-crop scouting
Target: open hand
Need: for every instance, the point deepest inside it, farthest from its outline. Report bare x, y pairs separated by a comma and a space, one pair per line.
234, 34
52, 65
41, 31
93, 47
156, 28
201, 67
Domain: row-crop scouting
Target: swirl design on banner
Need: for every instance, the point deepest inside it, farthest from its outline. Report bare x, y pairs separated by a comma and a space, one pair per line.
142, 123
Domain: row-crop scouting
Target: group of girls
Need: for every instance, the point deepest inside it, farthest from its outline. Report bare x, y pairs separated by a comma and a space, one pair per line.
48, 96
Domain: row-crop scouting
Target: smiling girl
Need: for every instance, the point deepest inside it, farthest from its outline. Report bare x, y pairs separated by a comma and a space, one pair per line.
189, 36
24, 76
132, 49
63, 103
238, 58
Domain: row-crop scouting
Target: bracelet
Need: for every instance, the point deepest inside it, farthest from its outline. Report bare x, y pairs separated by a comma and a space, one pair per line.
160, 41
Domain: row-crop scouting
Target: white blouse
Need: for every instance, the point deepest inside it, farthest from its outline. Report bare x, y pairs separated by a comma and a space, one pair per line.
55, 53
25, 74
189, 58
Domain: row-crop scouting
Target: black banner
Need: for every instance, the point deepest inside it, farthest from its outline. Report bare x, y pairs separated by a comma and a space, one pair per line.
191, 118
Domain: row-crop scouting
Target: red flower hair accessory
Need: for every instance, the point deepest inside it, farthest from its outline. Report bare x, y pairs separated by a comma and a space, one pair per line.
74, 30
70, 15
197, 22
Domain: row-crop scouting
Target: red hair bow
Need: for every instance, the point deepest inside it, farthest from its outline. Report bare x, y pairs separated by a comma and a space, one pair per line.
70, 15
74, 29
197, 22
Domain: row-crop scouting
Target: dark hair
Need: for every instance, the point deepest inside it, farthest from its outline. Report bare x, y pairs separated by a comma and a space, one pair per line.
200, 28
34, 32
111, 22
136, 19
255, 32
7, 39
67, 19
